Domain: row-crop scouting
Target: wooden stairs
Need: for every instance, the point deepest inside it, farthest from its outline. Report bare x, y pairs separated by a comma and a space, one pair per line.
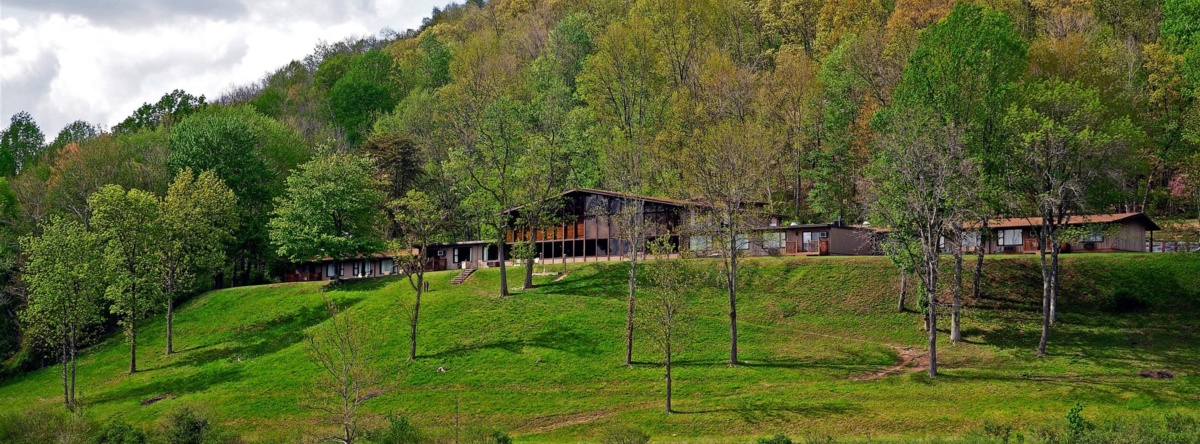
462, 276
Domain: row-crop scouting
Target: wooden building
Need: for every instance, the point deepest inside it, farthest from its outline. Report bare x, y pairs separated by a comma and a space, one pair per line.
1096, 233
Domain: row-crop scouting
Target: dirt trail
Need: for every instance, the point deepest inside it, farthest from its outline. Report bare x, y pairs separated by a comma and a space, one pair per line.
911, 360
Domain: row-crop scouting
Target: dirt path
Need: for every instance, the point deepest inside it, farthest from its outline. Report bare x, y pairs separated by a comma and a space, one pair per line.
911, 360
548, 423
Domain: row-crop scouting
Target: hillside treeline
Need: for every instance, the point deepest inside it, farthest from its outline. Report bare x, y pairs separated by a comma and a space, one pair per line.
493, 105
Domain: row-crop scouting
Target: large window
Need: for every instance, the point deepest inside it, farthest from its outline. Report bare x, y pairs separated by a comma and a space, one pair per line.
1009, 238
700, 243
1094, 236
773, 240
742, 241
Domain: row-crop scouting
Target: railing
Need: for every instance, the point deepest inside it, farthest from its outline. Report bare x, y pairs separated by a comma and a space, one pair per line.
303, 277
1172, 247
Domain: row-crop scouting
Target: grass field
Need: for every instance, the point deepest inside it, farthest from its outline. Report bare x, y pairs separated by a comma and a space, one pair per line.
545, 365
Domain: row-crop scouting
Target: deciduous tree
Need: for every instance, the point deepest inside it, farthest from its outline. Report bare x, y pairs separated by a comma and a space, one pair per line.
64, 270
128, 225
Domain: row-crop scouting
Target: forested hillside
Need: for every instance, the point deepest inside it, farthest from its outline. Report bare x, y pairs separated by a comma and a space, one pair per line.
801, 104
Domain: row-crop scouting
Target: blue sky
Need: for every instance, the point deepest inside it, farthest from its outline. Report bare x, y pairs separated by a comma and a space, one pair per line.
94, 60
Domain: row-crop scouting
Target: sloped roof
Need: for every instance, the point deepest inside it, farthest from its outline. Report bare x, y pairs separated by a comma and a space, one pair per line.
658, 200
1083, 219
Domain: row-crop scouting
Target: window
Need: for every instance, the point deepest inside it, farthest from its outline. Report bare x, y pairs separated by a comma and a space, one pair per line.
329, 270
388, 266
1095, 237
700, 243
1009, 238
970, 240
742, 241
773, 241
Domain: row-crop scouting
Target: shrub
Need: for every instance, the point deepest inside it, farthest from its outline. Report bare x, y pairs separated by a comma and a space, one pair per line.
186, 426
43, 425
624, 435
117, 432
777, 439
398, 431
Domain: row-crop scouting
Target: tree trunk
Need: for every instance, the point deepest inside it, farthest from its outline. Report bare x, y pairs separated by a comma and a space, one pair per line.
132, 345
956, 304
170, 322
412, 323
979, 252
903, 290
1046, 290
931, 294
500, 256
668, 376
74, 348
529, 261
1054, 250
733, 336
629, 312
62, 358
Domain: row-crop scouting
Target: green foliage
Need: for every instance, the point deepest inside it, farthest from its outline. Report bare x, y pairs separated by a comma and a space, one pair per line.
331, 209
169, 109
186, 426
362, 93
435, 65
76, 132
399, 430
624, 435
777, 439
20, 144
41, 425
127, 225
118, 432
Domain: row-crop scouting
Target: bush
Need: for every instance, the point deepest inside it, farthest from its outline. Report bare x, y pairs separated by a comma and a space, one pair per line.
117, 432
43, 425
777, 439
624, 435
186, 426
398, 431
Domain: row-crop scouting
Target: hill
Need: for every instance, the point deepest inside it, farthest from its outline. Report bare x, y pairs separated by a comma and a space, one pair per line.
822, 344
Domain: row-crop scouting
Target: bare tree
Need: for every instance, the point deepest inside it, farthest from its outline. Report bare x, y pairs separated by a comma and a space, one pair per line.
346, 378
920, 166
672, 280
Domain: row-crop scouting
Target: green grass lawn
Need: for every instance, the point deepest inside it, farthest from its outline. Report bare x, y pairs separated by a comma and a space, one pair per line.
546, 365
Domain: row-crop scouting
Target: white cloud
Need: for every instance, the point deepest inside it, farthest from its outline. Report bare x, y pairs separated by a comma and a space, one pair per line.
63, 62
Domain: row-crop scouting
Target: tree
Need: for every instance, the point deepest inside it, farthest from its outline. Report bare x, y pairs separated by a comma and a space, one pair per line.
671, 282
169, 109
197, 217
422, 221
727, 170
345, 377
78, 131
65, 275
964, 69
921, 163
331, 208
20, 143
253, 155
127, 224
1065, 147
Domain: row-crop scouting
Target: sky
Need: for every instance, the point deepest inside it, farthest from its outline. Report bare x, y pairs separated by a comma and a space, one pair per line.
67, 60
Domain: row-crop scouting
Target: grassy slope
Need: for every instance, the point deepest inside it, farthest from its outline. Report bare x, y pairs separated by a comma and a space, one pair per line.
545, 364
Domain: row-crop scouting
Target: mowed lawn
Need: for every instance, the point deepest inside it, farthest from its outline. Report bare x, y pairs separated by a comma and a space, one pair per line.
546, 364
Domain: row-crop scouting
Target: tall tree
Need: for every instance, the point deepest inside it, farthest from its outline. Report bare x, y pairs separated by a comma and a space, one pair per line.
920, 166
964, 69
332, 208
64, 272
421, 221
78, 131
1065, 147
197, 218
127, 223
727, 169
20, 143
253, 155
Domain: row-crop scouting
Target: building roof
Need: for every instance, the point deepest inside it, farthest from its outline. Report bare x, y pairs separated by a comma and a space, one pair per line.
1083, 219
658, 200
